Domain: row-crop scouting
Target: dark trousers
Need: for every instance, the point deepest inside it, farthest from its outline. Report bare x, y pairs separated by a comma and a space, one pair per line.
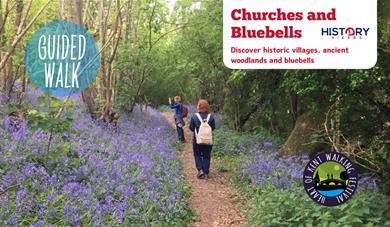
202, 155
180, 133
179, 128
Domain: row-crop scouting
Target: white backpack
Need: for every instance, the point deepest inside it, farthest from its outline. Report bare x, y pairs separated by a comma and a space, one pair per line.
205, 134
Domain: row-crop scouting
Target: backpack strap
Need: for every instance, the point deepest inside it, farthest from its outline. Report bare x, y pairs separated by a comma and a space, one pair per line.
202, 120
199, 117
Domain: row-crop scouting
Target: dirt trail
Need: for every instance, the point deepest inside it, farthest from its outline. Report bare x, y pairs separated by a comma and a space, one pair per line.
213, 200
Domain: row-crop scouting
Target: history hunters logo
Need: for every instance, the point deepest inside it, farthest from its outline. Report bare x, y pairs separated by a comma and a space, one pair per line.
330, 179
345, 32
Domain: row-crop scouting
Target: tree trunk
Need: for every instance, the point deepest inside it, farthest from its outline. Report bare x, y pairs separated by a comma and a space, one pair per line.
110, 74
3, 20
296, 109
302, 138
21, 31
10, 76
74, 12
102, 39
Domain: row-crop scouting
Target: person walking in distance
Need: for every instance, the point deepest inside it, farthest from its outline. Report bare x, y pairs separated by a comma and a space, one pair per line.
202, 124
181, 112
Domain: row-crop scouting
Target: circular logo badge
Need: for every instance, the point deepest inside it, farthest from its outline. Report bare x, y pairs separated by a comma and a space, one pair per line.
330, 179
62, 58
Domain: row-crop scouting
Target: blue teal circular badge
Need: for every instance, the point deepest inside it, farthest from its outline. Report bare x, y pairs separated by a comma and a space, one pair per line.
330, 178
62, 58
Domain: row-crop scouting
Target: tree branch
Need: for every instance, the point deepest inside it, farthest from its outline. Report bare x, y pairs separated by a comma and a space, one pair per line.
173, 30
20, 34
7, 11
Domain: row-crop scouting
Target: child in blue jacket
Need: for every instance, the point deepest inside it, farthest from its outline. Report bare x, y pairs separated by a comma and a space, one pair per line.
178, 107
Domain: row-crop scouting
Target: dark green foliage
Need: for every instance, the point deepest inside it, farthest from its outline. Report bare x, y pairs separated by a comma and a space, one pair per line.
46, 117
297, 209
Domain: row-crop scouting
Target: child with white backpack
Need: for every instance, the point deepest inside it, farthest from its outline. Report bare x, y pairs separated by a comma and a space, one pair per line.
202, 124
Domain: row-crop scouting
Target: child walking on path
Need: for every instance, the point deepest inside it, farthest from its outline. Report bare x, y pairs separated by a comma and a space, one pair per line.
202, 152
179, 109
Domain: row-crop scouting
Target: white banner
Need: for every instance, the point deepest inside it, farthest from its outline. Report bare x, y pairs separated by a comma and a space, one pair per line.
296, 34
